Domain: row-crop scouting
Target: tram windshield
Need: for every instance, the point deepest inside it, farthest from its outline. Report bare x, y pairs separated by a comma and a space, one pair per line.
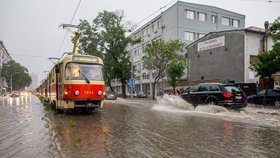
81, 71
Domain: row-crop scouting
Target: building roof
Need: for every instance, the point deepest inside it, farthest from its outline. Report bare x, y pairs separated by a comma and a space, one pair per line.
248, 29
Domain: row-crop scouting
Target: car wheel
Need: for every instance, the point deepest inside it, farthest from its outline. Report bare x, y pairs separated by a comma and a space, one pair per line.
212, 102
277, 103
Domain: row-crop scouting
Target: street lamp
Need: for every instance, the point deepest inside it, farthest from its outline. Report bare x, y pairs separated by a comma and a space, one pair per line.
12, 80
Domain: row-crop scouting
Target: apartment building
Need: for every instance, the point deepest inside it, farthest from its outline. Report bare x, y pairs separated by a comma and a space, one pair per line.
184, 21
4, 58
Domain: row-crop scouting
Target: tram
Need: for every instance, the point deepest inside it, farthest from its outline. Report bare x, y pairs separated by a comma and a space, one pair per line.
76, 81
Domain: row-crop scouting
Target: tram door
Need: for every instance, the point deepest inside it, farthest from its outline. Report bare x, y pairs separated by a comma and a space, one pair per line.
59, 85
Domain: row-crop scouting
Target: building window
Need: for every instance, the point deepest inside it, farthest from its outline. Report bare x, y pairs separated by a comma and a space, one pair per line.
235, 23
146, 76
200, 35
143, 32
154, 27
189, 14
214, 19
201, 16
158, 24
225, 21
189, 36
148, 31
139, 67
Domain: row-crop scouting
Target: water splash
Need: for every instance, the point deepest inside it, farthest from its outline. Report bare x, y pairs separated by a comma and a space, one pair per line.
176, 103
172, 102
210, 109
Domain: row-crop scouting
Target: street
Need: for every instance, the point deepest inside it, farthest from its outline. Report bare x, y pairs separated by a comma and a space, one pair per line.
168, 127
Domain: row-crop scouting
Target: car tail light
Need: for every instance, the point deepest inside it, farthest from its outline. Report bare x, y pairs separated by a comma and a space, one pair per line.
227, 95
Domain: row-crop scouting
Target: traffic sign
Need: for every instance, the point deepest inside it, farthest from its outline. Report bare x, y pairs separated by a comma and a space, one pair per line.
132, 83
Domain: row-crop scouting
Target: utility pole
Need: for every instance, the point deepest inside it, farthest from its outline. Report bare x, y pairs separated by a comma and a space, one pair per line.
131, 86
266, 23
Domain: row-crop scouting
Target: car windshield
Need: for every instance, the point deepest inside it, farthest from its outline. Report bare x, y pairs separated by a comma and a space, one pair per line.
233, 88
81, 71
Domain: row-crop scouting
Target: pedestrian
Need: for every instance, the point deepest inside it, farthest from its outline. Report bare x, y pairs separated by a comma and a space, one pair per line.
257, 87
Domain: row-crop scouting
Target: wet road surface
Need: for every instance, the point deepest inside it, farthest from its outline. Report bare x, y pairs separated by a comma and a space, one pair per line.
137, 128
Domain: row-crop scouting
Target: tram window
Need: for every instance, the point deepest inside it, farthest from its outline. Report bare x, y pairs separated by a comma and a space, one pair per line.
78, 71
68, 72
75, 70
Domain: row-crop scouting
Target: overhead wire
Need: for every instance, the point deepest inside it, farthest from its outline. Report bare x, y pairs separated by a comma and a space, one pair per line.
59, 49
31, 56
172, 1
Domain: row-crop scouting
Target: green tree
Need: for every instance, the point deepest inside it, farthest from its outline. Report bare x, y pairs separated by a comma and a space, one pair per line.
18, 74
106, 38
158, 55
175, 71
274, 30
268, 63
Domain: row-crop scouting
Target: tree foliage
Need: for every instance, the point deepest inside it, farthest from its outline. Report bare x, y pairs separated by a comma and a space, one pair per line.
159, 54
175, 71
268, 63
18, 74
106, 38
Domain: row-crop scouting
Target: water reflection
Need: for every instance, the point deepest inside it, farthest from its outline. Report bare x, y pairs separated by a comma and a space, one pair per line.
132, 130
22, 131
228, 130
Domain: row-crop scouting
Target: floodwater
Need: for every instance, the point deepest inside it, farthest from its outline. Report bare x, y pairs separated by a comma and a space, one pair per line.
138, 128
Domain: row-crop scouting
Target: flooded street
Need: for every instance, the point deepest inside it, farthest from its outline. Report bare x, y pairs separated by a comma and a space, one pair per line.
137, 128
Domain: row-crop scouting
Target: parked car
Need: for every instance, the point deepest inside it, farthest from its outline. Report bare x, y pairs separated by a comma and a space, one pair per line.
110, 95
135, 95
15, 94
187, 89
216, 94
127, 94
142, 95
272, 97
119, 94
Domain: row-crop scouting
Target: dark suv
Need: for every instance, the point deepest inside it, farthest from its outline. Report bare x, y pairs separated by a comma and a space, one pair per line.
216, 94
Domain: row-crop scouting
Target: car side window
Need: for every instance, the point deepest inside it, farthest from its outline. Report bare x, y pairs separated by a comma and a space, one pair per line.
275, 92
194, 89
203, 88
261, 93
214, 88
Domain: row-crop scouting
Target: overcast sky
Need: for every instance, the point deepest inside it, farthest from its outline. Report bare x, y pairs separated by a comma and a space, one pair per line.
29, 28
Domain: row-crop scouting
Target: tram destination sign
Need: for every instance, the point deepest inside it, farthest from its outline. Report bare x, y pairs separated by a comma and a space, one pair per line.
85, 58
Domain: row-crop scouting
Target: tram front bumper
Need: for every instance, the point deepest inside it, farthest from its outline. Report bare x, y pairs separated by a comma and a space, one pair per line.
87, 104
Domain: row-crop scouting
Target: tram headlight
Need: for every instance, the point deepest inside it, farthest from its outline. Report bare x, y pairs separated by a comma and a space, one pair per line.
99, 93
77, 93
